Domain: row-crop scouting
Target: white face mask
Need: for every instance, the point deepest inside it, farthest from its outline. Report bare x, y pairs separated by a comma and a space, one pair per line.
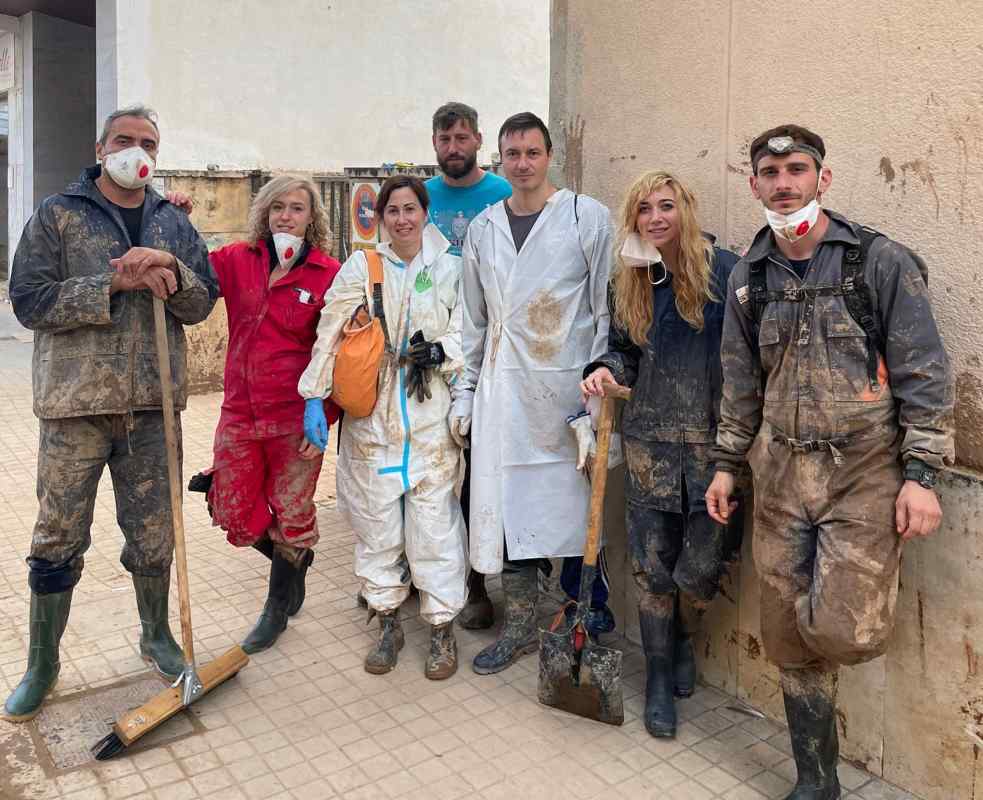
638, 252
288, 248
131, 168
794, 226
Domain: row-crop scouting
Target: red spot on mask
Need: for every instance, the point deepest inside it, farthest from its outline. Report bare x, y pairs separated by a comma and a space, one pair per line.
144, 170
803, 229
288, 253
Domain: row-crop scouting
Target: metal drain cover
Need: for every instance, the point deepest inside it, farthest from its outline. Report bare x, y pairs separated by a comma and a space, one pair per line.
68, 728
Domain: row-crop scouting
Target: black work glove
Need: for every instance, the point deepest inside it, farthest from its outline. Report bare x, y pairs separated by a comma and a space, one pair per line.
418, 381
425, 354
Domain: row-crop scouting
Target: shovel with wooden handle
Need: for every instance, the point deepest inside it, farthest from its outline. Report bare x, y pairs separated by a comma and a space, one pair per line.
576, 674
192, 683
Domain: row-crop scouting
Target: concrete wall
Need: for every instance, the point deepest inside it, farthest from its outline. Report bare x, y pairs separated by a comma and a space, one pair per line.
61, 91
322, 86
895, 89
4, 200
221, 207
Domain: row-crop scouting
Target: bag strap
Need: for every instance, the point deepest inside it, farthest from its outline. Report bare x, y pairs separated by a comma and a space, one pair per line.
375, 266
859, 302
376, 273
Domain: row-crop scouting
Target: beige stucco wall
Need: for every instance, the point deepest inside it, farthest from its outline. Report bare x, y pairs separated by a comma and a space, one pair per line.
360, 80
221, 207
896, 90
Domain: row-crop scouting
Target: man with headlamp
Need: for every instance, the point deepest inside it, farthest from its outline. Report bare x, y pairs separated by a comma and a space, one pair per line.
837, 392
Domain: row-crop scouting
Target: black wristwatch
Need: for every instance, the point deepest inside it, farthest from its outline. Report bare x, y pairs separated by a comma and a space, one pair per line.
921, 473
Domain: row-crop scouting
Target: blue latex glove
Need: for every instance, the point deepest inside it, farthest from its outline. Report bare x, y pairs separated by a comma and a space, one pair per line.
315, 423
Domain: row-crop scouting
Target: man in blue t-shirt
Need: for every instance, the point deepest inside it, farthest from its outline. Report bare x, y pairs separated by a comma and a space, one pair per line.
457, 196
465, 189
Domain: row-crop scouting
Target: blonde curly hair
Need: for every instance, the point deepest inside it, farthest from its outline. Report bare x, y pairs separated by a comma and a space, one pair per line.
691, 276
317, 234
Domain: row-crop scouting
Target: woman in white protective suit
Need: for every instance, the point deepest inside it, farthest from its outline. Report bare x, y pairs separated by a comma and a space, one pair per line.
398, 466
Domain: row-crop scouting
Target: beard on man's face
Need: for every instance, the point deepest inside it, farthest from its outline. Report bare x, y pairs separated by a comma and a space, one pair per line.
457, 167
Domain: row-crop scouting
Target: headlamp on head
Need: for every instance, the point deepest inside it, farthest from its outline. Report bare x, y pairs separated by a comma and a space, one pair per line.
783, 145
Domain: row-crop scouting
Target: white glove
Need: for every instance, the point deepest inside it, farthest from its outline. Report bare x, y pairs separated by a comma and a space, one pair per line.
459, 419
586, 443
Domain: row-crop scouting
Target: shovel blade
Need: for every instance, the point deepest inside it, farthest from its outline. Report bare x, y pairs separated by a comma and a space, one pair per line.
587, 683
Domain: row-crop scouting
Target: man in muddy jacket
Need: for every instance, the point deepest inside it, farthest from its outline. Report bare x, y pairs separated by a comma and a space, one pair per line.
837, 392
84, 275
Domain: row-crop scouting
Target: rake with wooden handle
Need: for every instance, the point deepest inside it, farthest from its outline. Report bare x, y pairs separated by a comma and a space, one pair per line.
192, 683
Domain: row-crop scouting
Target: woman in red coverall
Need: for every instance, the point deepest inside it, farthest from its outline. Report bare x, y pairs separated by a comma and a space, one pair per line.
264, 471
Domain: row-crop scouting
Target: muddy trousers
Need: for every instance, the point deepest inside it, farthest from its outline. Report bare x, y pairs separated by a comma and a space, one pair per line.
262, 487
72, 454
676, 554
827, 553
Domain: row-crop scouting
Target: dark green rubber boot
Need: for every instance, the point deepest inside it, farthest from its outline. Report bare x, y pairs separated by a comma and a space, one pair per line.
657, 616
385, 652
273, 619
49, 615
157, 645
810, 707
518, 635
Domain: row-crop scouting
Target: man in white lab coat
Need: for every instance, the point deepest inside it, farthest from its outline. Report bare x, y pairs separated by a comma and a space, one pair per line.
535, 314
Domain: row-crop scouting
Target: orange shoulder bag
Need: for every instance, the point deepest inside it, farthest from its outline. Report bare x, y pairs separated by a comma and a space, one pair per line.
365, 338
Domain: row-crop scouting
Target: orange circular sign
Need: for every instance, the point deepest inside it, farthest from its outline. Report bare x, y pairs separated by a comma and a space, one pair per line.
363, 211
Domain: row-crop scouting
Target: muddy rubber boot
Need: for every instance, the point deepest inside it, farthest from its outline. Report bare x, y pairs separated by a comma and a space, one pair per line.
689, 620
157, 645
385, 652
478, 613
298, 589
442, 660
656, 614
810, 707
518, 635
49, 615
273, 619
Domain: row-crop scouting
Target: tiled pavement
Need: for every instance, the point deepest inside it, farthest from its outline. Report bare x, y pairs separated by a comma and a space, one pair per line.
304, 720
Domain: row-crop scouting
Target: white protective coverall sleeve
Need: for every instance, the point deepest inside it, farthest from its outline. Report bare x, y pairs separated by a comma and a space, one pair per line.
347, 293
473, 306
597, 240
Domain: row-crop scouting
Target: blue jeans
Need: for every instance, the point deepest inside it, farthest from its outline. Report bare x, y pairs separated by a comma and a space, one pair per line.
570, 579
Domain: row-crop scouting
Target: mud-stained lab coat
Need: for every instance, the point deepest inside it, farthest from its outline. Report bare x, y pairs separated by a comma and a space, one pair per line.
532, 322
398, 466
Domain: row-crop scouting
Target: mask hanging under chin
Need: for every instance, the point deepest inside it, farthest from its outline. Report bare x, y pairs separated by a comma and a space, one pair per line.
794, 226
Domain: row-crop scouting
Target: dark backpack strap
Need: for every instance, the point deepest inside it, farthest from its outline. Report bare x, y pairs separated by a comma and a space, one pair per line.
859, 302
758, 294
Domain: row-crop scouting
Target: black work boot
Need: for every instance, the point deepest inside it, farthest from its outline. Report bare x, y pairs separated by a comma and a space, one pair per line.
298, 588
656, 614
479, 613
157, 645
689, 616
442, 660
518, 635
810, 707
385, 652
49, 615
273, 620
